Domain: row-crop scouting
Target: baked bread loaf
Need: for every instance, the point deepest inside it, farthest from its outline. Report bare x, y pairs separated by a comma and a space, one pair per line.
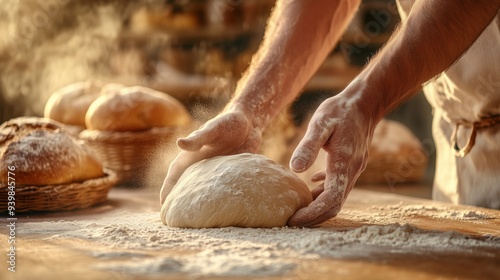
396, 156
43, 153
135, 109
69, 104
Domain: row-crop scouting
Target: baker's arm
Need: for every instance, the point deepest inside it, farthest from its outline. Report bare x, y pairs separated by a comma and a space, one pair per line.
435, 35
299, 36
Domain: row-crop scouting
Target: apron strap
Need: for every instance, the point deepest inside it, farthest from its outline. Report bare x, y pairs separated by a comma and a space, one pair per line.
486, 122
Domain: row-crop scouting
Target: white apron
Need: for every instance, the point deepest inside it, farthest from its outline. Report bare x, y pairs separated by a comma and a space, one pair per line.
468, 92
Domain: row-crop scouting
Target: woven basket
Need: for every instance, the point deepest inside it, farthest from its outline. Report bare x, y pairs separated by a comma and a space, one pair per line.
73, 130
62, 197
130, 154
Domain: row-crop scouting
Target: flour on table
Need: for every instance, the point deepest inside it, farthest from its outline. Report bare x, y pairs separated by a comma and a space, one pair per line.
233, 251
436, 212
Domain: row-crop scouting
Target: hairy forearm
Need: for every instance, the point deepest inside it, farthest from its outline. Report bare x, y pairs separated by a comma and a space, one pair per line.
299, 36
435, 35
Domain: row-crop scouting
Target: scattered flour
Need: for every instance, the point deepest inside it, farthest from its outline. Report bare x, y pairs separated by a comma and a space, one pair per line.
243, 251
436, 212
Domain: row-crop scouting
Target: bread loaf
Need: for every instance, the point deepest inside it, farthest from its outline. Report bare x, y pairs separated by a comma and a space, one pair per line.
42, 153
134, 109
69, 104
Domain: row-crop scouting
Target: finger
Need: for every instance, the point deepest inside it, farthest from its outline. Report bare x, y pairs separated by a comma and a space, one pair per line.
318, 209
332, 212
197, 139
318, 133
175, 170
317, 191
216, 131
318, 176
332, 197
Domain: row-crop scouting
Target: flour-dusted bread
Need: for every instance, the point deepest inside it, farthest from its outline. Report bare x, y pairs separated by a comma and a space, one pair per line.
42, 153
135, 109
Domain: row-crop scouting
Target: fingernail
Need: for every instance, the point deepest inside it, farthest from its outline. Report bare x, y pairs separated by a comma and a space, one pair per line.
298, 164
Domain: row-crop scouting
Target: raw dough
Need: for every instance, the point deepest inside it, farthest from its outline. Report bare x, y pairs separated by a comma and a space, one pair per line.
243, 190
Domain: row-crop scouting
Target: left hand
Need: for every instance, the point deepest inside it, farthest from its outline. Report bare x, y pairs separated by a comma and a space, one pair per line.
228, 133
344, 131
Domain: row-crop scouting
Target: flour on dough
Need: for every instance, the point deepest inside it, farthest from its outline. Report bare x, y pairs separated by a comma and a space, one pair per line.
243, 190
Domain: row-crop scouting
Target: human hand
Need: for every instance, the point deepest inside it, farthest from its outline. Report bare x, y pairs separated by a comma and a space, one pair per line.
344, 131
228, 133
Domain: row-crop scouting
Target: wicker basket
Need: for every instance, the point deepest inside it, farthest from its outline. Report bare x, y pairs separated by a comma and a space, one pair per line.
73, 130
62, 197
130, 154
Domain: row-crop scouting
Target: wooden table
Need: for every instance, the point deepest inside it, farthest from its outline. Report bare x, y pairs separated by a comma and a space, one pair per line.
66, 258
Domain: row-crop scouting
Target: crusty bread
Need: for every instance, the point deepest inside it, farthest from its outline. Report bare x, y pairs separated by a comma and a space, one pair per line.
69, 104
396, 155
134, 109
42, 153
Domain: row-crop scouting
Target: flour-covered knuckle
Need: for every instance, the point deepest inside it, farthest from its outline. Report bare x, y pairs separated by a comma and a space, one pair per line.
244, 190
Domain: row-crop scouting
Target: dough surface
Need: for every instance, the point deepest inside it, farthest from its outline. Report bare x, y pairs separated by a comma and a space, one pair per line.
243, 190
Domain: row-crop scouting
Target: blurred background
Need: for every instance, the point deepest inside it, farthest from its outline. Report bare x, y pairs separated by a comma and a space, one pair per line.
194, 50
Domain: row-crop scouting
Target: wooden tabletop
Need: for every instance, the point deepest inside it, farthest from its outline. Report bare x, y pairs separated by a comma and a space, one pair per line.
68, 258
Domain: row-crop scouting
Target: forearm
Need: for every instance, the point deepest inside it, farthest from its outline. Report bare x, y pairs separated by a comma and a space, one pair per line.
435, 35
299, 36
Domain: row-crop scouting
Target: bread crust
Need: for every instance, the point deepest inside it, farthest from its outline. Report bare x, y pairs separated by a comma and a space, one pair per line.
43, 153
134, 109
69, 104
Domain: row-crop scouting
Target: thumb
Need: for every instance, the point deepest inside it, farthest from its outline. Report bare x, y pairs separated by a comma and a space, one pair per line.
228, 128
196, 140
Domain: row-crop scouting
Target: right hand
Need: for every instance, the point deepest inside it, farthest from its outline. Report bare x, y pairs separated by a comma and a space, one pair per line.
228, 133
344, 130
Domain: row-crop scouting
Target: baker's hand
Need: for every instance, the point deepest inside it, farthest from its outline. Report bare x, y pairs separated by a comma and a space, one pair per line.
228, 133
344, 131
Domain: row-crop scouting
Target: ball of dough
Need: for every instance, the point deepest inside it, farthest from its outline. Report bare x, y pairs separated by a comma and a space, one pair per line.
243, 190
134, 109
